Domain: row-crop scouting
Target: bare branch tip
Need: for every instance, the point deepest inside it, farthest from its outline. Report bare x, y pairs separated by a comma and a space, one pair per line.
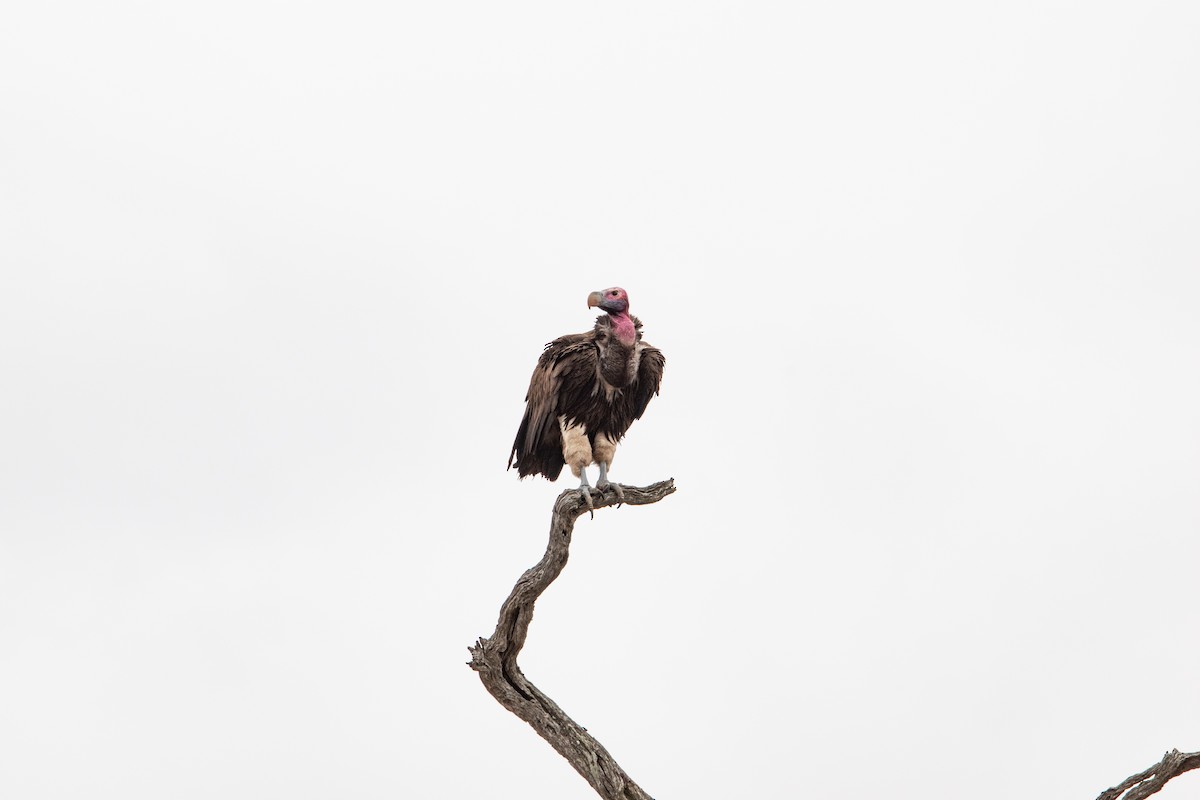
1153, 779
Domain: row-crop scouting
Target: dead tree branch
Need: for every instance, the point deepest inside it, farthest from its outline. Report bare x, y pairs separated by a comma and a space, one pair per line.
495, 657
1144, 784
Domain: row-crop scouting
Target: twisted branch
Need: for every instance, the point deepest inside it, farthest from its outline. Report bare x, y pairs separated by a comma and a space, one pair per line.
1146, 783
495, 657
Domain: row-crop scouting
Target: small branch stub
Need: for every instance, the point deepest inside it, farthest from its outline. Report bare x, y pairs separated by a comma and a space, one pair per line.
495, 657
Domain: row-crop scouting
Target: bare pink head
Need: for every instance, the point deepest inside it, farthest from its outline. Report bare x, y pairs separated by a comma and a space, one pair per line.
615, 301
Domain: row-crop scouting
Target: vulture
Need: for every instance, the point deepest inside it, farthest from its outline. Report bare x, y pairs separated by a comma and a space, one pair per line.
586, 390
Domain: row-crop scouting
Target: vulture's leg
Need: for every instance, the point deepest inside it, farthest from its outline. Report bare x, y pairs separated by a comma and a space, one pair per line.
603, 483
577, 452
604, 449
585, 490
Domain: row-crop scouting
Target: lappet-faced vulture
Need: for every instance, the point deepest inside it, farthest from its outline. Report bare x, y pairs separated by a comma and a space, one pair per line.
586, 390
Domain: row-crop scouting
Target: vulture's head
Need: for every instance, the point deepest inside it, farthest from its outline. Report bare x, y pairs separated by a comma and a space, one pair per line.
614, 300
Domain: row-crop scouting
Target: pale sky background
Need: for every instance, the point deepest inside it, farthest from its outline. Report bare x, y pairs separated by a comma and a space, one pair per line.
927, 277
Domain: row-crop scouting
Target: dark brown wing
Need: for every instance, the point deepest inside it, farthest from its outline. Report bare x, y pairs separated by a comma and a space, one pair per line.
649, 378
565, 372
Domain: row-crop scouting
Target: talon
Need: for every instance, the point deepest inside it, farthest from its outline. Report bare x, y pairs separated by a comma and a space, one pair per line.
616, 489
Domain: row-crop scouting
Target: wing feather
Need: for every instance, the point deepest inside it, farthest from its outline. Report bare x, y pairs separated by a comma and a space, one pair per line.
558, 378
649, 378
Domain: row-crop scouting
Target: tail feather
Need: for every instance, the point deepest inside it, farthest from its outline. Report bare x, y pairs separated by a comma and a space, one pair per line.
545, 458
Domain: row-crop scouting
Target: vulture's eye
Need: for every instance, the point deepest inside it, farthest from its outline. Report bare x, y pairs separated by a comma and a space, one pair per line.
614, 294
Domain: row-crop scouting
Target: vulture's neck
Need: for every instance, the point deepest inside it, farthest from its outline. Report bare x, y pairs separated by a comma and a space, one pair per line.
623, 328
619, 360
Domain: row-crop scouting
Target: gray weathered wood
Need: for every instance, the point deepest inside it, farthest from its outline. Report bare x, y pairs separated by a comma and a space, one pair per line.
495, 657
1144, 784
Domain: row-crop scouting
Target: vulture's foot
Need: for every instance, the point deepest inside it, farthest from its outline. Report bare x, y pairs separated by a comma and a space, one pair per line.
603, 483
618, 490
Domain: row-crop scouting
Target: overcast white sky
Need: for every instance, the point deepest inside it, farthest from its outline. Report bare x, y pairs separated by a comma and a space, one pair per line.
274, 279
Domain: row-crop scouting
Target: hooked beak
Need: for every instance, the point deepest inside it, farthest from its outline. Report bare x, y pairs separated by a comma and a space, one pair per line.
594, 299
